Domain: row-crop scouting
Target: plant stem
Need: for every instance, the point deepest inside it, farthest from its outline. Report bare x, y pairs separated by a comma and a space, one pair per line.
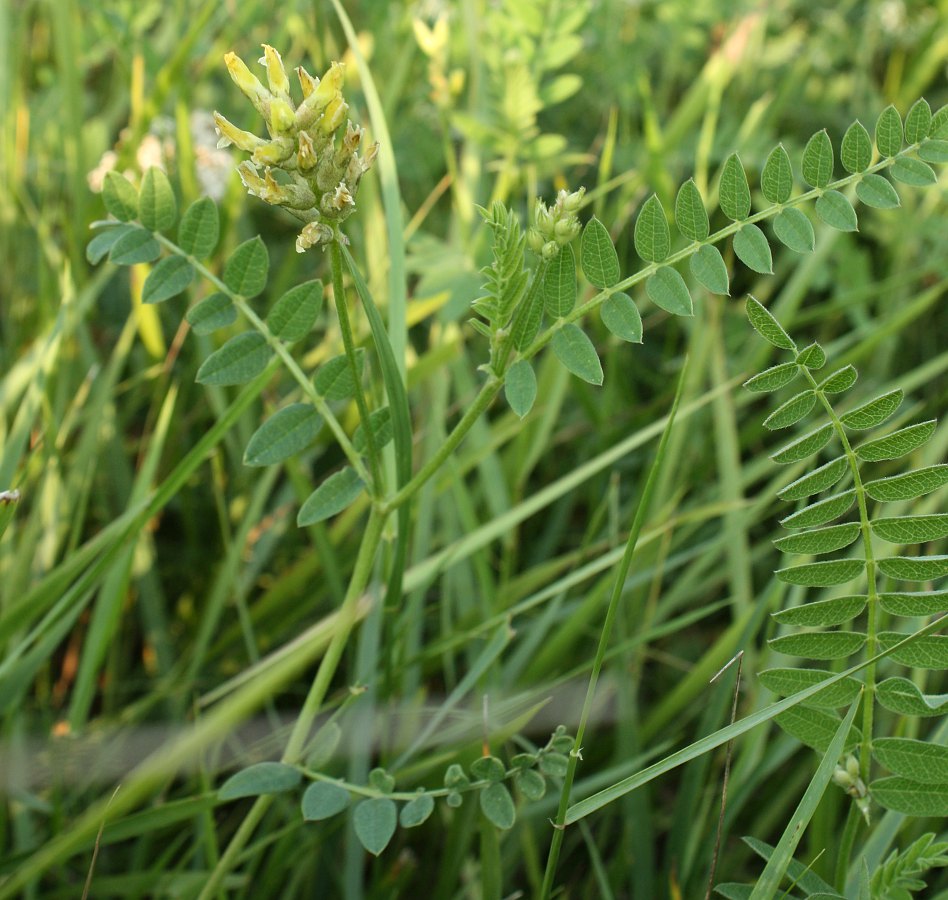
481, 402
559, 827
317, 693
342, 311
279, 348
869, 695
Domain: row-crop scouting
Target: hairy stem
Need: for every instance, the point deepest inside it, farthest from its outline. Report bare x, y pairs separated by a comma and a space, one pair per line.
342, 312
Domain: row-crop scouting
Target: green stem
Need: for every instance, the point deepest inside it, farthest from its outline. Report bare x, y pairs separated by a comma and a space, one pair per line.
559, 827
481, 402
846, 847
603, 295
314, 699
342, 311
872, 625
279, 348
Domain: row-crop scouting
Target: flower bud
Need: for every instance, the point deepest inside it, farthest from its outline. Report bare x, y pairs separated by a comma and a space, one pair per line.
566, 229
550, 250
306, 156
852, 766
334, 115
323, 93
250, 178
258, 95
271, 153
544, 220
282, 117
276, 74
534, 240
307, 82
231, 134
574, 202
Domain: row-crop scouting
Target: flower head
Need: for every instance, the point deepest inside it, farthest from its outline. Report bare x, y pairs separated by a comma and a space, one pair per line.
309, 162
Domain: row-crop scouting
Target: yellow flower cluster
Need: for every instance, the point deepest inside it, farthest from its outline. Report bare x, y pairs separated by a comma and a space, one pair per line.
309, 165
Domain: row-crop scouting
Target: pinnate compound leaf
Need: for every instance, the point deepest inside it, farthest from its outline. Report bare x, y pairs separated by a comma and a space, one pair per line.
773, 378
817, 164
242, 358
913, 484
559, 284
821, 512
922, 603
134, 246
750, 245
690, 215
804, 446
836, 211
598, 255
652, 238
794, 230
839, 381
899, 695
934, 151
336, 493
261, 778
577, 353
375, 820
917, 121
784, 682
927, 652
498, 806
100, 245
874, 412
913, 172
889, 132
818, 480
157, 209
823, 613
335, 380
897, 444
912, 529
767, 326
813, 357
710, 270
120, 197
200, 228
245, 271
918, 760
819, 540
294, 314
939, 127
877, 192
283, 435
667, 289
168, 279
823, 574
416, 811
213, 312
911, 798
323, 800
914, 568
820, 644
621, 316
520, 387
776, 180
791, 411
733, 190
856, 149
815, 727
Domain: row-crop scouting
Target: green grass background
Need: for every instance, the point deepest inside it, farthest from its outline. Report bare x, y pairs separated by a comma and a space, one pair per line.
150, 581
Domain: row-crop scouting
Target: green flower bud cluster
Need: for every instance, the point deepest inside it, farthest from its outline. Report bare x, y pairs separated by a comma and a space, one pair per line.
309, 165
848, 778
555, 226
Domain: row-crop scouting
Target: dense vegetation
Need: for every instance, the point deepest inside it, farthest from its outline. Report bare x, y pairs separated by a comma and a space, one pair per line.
303, 597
